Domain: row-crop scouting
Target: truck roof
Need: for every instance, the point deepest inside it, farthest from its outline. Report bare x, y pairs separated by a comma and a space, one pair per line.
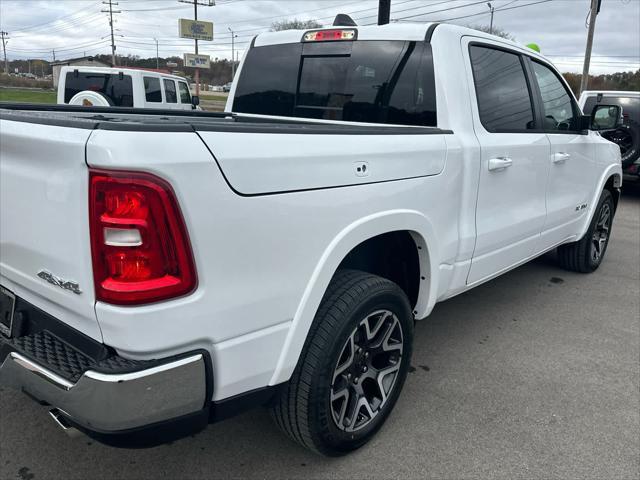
128, 71
394, 31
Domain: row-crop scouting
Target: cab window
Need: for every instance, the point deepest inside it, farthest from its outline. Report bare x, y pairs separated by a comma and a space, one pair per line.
504, 99
558, 107
185, 95
152, 91
170, 91
373, 81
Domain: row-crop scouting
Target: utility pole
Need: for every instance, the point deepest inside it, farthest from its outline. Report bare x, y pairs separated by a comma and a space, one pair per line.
157, 56
5, 40
384, 11
233, 57
54, 54
492, 9
595, 9
111, 11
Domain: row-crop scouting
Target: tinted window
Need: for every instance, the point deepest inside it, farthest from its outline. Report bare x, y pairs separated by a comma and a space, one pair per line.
185, 95
557, 104
367, 81
170, 91
117, 88
267, 84
504, 101
152, 91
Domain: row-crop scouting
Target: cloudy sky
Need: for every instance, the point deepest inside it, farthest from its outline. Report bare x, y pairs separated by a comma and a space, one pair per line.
77, 27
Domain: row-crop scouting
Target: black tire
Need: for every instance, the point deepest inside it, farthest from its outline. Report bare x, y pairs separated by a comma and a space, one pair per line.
586, 255
303, 408
627, 137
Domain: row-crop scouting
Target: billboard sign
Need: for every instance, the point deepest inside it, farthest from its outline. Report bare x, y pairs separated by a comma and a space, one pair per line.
195, 29
196, 61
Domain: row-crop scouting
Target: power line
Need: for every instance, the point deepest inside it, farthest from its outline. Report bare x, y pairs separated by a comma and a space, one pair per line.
38, 25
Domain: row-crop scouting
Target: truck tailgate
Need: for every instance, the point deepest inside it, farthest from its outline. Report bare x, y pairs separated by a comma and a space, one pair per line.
44, 221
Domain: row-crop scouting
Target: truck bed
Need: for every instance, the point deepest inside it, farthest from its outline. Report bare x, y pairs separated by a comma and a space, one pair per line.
153, 120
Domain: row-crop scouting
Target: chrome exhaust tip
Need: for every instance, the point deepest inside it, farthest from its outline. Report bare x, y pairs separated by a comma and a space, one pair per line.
62, 422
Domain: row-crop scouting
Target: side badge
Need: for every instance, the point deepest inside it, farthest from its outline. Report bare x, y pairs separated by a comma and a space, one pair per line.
59, 282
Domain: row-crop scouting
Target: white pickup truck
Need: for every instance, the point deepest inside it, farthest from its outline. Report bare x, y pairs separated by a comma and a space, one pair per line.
161, 269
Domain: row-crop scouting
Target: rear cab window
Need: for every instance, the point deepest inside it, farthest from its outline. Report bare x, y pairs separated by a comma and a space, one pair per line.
386, 82
117, 88
170, 91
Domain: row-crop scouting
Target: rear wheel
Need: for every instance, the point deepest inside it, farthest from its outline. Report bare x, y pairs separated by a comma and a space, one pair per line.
586, 254
352, 367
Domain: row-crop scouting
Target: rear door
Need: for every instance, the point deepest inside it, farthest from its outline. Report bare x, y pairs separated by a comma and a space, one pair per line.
152, 91
510, 211
170, 93
571, 162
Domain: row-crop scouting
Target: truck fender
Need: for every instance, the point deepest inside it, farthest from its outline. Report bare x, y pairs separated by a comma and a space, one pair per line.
611, 170
363, 229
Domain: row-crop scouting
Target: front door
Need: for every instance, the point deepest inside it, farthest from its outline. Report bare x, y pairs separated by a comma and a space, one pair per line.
510, 212
572, 169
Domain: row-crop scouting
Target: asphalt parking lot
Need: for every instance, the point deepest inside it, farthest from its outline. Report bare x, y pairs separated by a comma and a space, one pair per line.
533, 375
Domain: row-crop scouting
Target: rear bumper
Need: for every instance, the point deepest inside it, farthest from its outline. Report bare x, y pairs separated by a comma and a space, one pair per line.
91, 388
113, 402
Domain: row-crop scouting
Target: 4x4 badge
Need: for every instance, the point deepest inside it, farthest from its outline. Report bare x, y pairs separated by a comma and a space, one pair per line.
59, 282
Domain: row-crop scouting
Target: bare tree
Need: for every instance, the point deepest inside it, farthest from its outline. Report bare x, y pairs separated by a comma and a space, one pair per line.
294, 24
497, 31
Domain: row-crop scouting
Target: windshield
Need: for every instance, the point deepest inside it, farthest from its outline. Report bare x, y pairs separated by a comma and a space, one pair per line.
368, 81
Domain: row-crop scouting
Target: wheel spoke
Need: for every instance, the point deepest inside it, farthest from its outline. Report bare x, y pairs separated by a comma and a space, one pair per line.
362, 407
385, 385
381, 318
345, 396
348, 348
387, 346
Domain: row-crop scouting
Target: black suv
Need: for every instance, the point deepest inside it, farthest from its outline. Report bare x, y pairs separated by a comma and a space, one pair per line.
626, 136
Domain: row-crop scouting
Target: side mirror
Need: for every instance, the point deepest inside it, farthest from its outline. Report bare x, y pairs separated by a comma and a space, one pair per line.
195, 101
606, 117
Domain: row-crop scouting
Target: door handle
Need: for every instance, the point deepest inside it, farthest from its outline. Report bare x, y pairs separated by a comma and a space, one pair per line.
499, 163
561, 157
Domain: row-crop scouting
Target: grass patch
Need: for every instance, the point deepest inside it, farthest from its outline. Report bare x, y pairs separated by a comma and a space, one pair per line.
27, 96
213, 97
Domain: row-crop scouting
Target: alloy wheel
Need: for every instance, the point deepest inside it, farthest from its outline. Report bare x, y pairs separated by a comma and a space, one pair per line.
601, 233
366, 370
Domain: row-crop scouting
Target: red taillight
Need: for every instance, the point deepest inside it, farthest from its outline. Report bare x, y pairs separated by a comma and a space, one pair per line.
139, 243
